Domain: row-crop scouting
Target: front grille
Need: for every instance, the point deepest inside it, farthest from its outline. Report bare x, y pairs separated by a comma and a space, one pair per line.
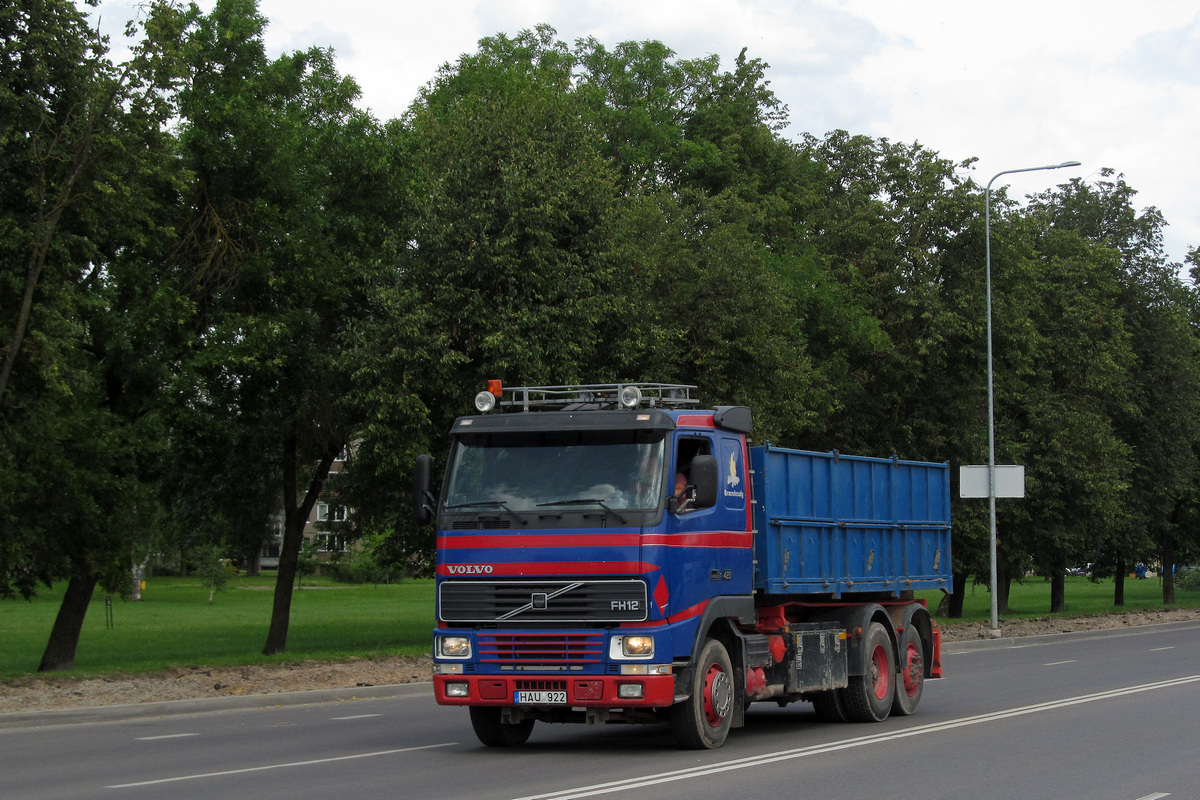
541, 648
542, 601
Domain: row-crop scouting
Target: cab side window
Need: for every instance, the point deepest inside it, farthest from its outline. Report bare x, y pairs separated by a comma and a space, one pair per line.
683, 490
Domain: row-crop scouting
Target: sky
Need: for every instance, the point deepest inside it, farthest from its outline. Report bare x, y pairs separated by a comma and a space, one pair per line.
1023, 83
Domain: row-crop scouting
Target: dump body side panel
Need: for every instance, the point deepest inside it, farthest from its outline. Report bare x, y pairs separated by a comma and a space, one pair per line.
833, 524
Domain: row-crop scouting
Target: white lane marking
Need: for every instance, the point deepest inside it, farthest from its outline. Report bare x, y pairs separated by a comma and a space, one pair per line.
278, 766
1155, 650
359, 716
1155, 796
862, 741
165, 736
1059, 663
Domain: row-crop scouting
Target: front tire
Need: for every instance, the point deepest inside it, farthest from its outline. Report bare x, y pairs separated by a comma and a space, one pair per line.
703, 720
486, 720
868, 697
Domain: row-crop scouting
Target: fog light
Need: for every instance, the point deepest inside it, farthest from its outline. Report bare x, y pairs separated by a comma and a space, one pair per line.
629, 691
458, 690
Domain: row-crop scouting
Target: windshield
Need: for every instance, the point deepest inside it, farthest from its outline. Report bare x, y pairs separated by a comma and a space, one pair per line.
538, 471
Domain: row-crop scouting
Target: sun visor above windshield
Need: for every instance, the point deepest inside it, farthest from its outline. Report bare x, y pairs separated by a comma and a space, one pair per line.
544, 421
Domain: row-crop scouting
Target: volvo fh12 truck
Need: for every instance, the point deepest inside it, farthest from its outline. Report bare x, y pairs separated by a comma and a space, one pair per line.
619, 554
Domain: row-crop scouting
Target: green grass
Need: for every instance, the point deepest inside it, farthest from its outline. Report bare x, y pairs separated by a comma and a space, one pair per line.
174, 625
1031, 598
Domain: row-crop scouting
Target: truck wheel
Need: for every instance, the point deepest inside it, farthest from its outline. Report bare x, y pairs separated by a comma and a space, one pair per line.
494, 733
911, 680
702, 721
828, 706
868, 697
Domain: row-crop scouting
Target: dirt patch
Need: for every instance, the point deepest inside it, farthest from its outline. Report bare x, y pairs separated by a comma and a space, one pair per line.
43, 692
968, 631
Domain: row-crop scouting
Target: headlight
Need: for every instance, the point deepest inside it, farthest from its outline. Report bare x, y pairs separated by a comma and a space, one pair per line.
454, 646
640, 646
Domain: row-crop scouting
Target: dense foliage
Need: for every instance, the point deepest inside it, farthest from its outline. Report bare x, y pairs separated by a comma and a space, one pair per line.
222, 275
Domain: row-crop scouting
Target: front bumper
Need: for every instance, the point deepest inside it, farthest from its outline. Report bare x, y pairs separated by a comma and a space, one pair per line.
592, 691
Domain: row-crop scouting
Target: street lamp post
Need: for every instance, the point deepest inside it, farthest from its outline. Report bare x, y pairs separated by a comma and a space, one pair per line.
987, 225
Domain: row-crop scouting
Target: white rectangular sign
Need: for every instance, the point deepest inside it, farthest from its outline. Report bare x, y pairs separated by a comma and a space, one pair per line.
973, 481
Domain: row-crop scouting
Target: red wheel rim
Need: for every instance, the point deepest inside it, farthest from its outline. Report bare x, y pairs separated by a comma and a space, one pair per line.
912, 669
718, 694
880, 679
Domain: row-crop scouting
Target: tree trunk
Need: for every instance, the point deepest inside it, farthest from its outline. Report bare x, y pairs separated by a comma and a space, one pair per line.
1119, 584
294, 518
64, 636
1058, 583
954, 601
1168, 569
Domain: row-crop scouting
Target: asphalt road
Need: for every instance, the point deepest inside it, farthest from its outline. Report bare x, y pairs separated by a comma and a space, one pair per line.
1108, 716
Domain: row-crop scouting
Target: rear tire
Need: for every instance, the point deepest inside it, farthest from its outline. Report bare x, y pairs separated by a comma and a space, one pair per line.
829, 707
703, 720
910, 682
868, 697
491, 731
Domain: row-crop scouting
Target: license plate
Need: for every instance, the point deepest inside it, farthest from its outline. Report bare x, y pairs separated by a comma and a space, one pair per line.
540, 698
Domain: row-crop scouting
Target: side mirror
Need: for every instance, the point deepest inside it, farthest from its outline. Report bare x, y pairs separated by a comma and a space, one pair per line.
706, 478
423, 498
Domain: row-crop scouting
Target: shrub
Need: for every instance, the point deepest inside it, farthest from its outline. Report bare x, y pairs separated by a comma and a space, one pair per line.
1188, 579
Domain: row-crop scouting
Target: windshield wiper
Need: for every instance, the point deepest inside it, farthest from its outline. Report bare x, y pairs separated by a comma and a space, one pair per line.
584, 502
500, 504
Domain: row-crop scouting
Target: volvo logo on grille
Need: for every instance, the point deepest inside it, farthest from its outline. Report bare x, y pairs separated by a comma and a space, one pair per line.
538, 600
469, 569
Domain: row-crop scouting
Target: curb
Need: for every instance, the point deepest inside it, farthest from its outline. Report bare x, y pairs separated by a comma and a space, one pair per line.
975, 645
119, 713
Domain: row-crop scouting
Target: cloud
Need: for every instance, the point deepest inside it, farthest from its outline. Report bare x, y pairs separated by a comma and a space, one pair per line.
1110, 83
1168, 55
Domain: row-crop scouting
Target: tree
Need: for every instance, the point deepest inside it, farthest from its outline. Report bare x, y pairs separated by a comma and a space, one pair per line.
511, 237
286, 214
1159, 424
87, 169
212, 567
1063, 361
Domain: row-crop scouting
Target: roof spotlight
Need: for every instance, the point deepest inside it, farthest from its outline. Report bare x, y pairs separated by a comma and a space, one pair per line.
485, 401
631, 397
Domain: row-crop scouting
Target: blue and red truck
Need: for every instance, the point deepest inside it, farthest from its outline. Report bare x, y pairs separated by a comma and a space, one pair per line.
616, 553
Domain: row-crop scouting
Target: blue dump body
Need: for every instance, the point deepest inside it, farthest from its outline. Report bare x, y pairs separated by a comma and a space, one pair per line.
834, 524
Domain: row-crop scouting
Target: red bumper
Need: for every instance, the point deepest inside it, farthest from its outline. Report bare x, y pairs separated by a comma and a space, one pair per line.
601, 691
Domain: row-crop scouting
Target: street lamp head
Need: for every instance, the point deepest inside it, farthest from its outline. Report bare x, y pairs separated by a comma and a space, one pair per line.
1067, 164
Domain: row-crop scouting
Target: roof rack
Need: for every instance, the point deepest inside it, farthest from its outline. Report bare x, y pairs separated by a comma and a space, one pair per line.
598, 397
